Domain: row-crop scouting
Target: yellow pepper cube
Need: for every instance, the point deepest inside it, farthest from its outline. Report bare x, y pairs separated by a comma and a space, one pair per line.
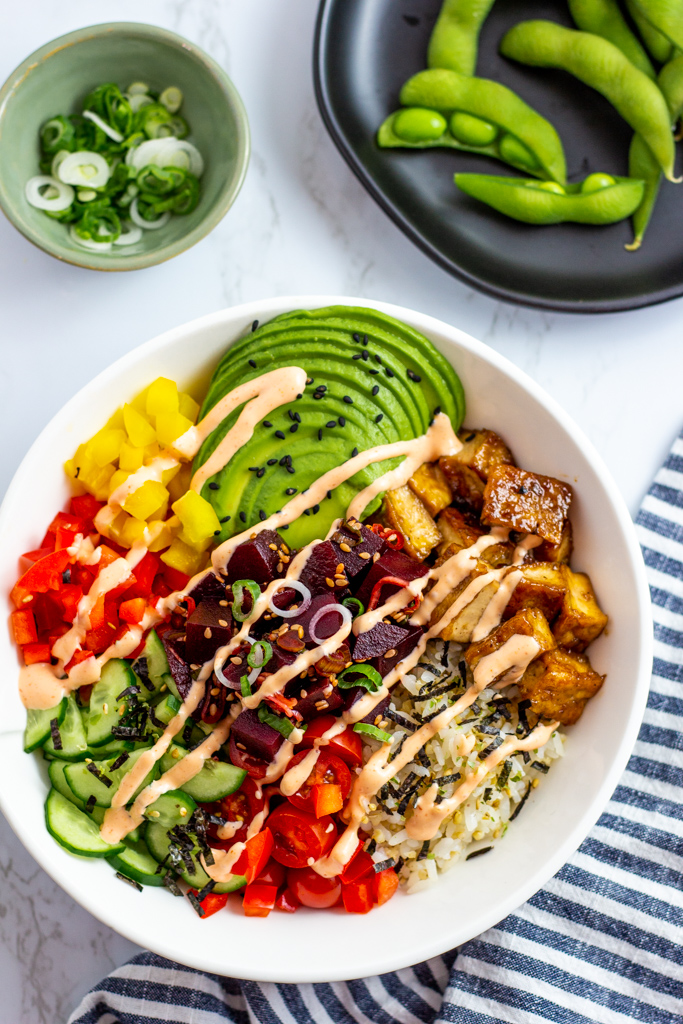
82, 463
159, 535
114, 530
118, 478
180, 482
132, 531
162, 397
171, 425
146, 499
168, 474
115, 422
130, 458
183, 558
106, 445
187, 406
160, 512
198, 518
97, 481
140, 431
199, 545
151, 452
140, 401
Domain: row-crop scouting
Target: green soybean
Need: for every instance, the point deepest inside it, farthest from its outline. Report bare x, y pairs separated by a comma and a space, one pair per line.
666, 16
455, 37
531, 143
594, 182
531, 202
604, 18
658, 45
601, 65
472, 131
419, 125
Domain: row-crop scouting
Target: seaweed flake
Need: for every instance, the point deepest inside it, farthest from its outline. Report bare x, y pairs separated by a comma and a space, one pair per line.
100, 776
209, 887
172, 885
409, 780
399, 864
424, 850
504, 774
130, 691
383, 865
488, 730
397, 750
525, 756
56, 735
540, 767
444, 653
187, 732
522, 725
400, 719
120, 761
129, 881
521, 803
403, 805
444, 780
438, 691
491, 747
422, 758
479, 853
90, 802
371, 847
199, 909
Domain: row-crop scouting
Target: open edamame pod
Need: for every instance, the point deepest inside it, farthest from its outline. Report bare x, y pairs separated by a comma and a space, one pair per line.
666, 16
454, 40
476, 115
600, 199
601, 65
657, 45
604, 18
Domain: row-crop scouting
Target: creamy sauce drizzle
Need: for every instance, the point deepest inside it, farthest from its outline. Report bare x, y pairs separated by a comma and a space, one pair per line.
295, 777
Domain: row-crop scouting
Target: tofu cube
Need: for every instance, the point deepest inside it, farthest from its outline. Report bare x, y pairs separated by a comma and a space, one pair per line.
559, 684
430, 485
526, 502
528, 622
543, 586
405, 512
581, 618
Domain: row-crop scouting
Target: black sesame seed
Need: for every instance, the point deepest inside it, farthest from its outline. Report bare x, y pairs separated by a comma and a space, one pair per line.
297, 418
373, 372
348, 399
267, 423
278, 433
365, 339
379, 418
253, 469
291, 490
290, 469
317, 395
329, 494
354, 453
342, 421
414, 376
330, 424
291, 414
321, 387
320, 434
365, 354
356, 338
299, 396
437, 410
307, 511
285, 526
309, 380
288, 460
272, 462
316, 509
214, 486
216, 533
225, 519
356, 355
252, 363
389, 373
294, 427
283, 460
375, 390
378, 359
260, 472
254, 326
243, 516
262, 515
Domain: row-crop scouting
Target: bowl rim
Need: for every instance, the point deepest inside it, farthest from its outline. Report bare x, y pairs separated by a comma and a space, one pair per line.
91, 260
421, 947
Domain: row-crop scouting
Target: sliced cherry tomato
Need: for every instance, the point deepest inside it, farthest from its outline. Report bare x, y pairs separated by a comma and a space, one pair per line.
254, 766
357, 896
312, 889
328, 769
360, 866
132, 610
24, 626
44, 575
272, 874
299, 836
243, 805
288, 902
259, 899
34, 653
384, 885
254, 858
347, 745
212, 902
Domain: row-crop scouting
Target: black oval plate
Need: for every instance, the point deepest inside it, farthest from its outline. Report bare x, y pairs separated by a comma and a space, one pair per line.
365, 50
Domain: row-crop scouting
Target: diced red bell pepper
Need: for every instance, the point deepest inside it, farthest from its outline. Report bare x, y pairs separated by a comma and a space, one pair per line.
259, 899
144, 573
287, 901
78, 657
360, 866
85, 506
212, 902
48, 611
24, 626
327, 799
108, 556
138, 650
64, 528
97, 613
160, 588
357, 897
44, 575
254, 857
384, 885
59, 630
174, 578
99, 637
68, 599
83, 576
34, 653
132, 610
38, 553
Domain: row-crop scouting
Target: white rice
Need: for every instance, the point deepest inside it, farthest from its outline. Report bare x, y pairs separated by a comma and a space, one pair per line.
484, 817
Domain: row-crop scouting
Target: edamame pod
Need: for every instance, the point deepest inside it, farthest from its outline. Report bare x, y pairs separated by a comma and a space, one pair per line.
546, 202
601, 65
455, 36
482, 117
664, 15
604, 18
658, 45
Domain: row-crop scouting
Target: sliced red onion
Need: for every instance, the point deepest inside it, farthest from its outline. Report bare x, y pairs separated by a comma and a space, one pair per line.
329, 609
218, 671
291, 585
255, 672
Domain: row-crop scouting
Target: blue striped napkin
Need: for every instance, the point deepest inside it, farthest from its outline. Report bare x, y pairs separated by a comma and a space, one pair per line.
601, 942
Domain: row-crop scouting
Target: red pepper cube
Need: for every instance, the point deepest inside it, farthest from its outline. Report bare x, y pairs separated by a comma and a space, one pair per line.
132, 610
85, 506
255, 856
24, 627
357, 897
360, 866
327, 799
384, 885
259, 899
33, 653
43, 575
212, 902
144, 573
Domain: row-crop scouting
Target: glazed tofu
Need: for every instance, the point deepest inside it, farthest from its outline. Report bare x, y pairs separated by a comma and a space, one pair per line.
543, 586
561, 552
529, 622
559, 684
461, 627
468, 471
456, 530
526, 502
405, 512
581, 618
429, 483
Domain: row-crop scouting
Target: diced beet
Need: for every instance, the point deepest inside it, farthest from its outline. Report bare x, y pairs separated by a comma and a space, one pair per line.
320, 567
210, 586
205, 632
174, 645
384, 665
257, 738
371, 543
328, 624
256, 560
391, 563
355, 694
317, 692
233, 673
378, 640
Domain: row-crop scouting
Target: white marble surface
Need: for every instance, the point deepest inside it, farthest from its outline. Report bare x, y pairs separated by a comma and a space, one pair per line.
301, 224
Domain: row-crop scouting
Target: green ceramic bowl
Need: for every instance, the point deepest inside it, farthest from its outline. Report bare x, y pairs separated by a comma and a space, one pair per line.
58, 76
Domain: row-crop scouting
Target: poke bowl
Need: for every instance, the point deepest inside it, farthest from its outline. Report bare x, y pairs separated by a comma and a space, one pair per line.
507, 770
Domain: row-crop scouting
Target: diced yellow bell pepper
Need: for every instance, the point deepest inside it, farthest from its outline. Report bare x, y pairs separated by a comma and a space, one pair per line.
187, 406
140, 431
162, 397
159, 513
151, 452
115, 422
118, 478
106, 445
168, 474
97, 481
198, 519
146, 499
140, 401
171, 425
132, 531
160, 535
114, 530
180, 482
185, 559
130, 458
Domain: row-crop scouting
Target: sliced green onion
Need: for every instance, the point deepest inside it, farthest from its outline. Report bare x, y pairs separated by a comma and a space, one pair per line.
130, 234
283, 725
369, 678
160, 180
46, 193
172, 99
371, 730
142, 222
84, 168
138, 101
56, 161
88, 243
86, 195
57, 133
106, 128
137, 88
245, 687
187, 197
266, 651
176, 127
350, 602
99, 223
238, 588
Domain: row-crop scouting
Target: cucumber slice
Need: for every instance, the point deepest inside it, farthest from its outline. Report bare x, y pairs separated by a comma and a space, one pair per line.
216, 779
136, 862
153, 664
55, 772
73, 829
72, 733
195, 735
172, 808
167, 709
158, 842
38, 725
85, 784
114, 747
105, 701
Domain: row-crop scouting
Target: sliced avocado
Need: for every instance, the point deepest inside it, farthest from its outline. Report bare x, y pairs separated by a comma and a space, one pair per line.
413, 381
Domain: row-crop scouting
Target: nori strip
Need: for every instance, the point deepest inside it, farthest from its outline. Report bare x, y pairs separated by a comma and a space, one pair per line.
382, 865
409, 780
444, 653
522, 725
424, 850
487, 794
187, 731
56, 736
396, 750
540, 767
90, 802
422, 758
488, 730
214, 819
209, 887
153, 719
100, 776
438, 691
403, 805
504, 774
400, 719
129, 691
491, 747
433, 714
127, 732
479, 853
199, 909
141, 670
521, 803
120, 761
129, 881
445, 779
526, 756
462, 669
371, 847
172, 885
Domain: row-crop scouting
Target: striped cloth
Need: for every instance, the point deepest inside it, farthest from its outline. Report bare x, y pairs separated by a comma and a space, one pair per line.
601, 942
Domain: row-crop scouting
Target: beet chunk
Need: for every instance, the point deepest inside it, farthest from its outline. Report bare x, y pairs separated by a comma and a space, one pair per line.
320, 567
257, 738
391, 563
328, 624
206, 632
211, 586
256, 560
317, 692
234, 673
378, 640
384, 665
174, 645
371, 543
355, 694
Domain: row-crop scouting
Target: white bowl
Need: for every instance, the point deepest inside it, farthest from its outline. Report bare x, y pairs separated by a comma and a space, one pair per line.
325, 946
